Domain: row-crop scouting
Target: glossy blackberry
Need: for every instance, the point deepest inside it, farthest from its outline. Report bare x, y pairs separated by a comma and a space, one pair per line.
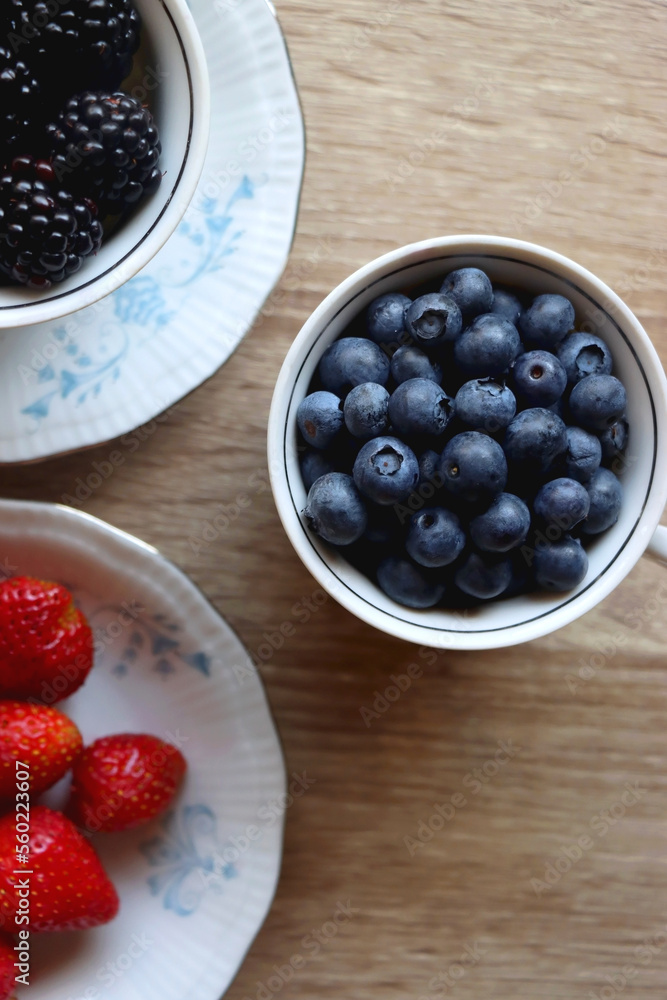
73, 42
108, 146
19, 93
45, 231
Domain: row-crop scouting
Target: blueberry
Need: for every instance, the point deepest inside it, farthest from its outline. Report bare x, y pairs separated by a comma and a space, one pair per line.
535, 438
560, 565
352, 361
410, 362
433, 319
606, 496
562, 502
597, 401
365, 410
420, 406
473, 467
385, 319
583, 354
408, 584
506, 304
583, 454
386, 470
503, 526
435, 537
334, 509
614, 439
319, 418
548, 320
484, 577
314, 464
539, 378
471, 290
485, 404
487, 347
429, 470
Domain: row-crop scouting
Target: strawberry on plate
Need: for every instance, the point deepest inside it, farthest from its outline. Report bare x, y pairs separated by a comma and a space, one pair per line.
37, 736
123, 781
66, 888
46, 644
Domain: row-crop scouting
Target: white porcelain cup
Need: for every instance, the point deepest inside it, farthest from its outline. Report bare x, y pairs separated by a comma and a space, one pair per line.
171, 77
642, 470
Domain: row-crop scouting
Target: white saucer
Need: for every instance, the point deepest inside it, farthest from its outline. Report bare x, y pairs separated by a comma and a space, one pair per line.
102, 372
195, 886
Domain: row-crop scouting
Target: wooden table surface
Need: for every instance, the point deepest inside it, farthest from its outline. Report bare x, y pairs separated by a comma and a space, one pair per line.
543, 120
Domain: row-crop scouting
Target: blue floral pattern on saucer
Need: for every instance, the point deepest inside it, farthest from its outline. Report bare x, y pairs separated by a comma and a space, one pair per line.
154, 639
188, 859
141, 307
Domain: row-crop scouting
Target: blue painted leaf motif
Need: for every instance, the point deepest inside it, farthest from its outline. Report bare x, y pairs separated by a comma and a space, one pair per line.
68, 382
163, 667
120, 670
161, 643
218, 223
46, 374
40, 408
130, 654
187, 851
200, 661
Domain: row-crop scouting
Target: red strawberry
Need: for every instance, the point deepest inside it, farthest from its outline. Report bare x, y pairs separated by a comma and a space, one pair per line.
8, 972
46, 645
122, 781
67, 888
42, 738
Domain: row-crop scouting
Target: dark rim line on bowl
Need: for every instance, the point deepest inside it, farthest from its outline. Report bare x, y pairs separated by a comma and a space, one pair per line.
477, 256
71, 291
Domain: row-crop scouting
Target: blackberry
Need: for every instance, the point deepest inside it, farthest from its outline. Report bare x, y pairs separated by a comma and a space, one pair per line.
70, 43
18, 99
45, 231
106, 145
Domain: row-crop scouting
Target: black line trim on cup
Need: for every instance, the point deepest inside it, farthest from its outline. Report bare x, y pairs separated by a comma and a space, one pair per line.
78, 288
420, 264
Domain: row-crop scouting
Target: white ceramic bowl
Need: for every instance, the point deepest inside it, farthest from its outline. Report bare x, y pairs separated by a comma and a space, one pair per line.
612, 556
169, 75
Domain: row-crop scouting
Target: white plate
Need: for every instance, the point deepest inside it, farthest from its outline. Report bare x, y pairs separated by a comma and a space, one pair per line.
114, 366
194, 887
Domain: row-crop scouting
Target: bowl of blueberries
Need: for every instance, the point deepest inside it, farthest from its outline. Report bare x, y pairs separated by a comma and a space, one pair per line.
463, 442
103, 136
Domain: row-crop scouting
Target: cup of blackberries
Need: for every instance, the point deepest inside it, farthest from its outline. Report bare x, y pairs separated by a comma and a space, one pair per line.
464, 442
104, 115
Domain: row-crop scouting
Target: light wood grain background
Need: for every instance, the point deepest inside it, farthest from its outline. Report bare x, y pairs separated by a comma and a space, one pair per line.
544, 120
